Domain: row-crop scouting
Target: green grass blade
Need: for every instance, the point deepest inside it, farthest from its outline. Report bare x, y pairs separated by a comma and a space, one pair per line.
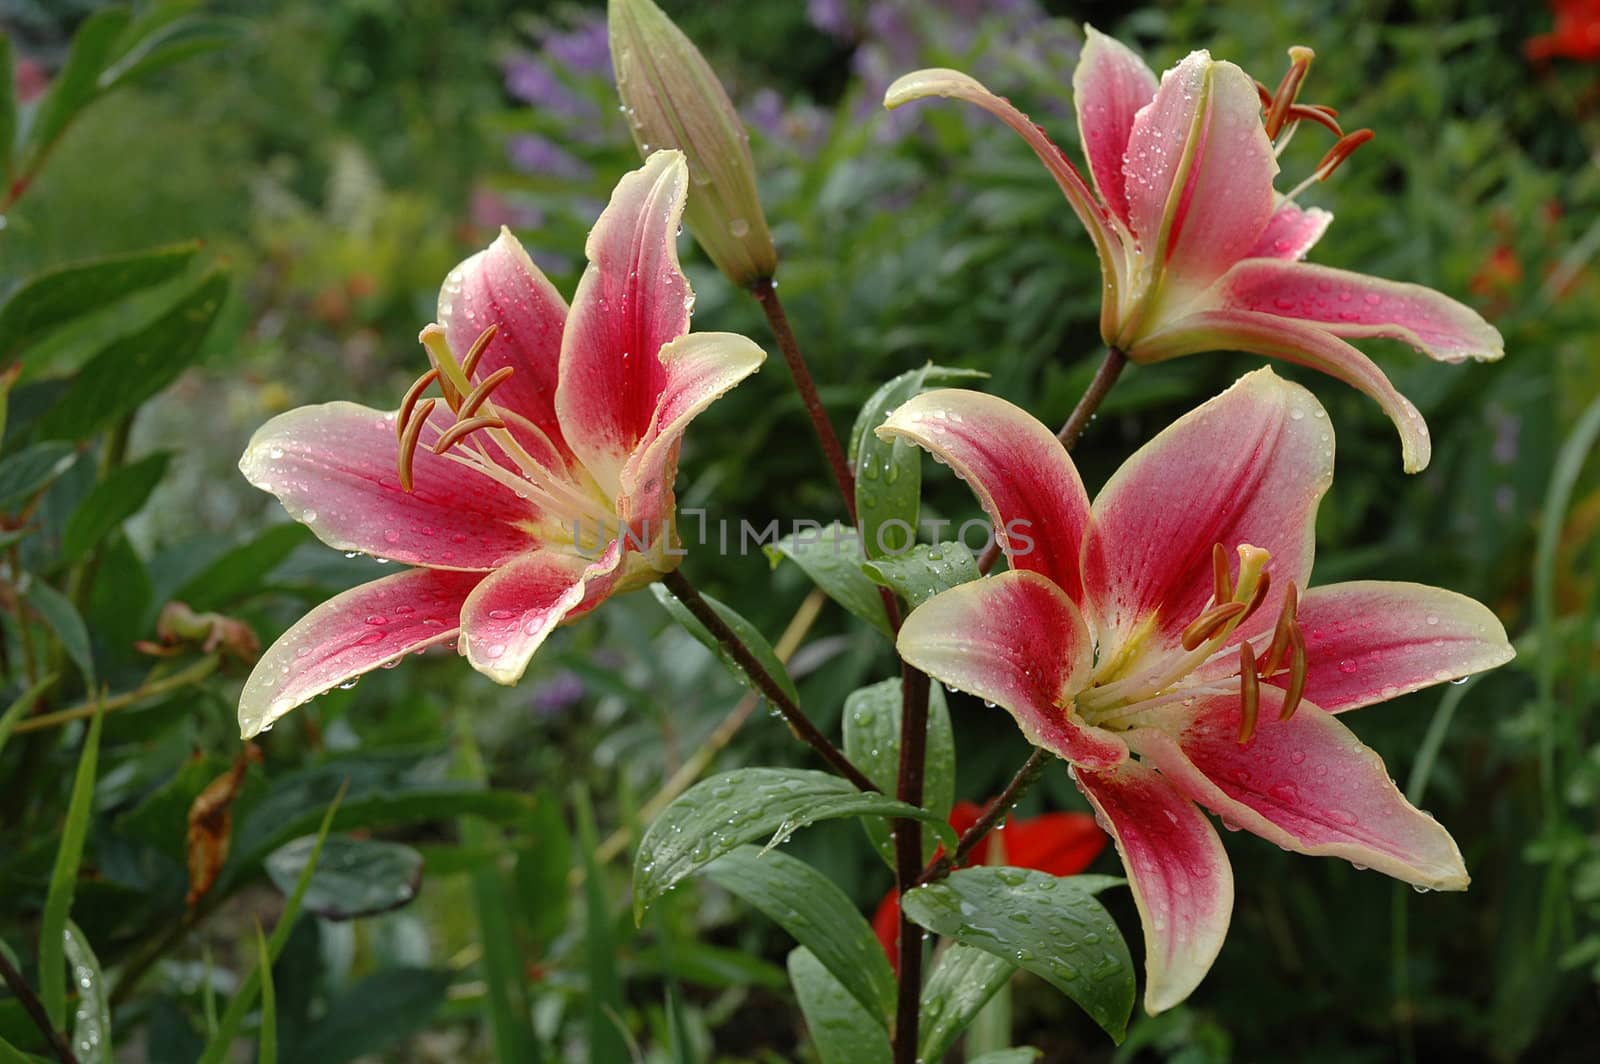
245, 996
64, 880
91, 1027
267, 1047
14, 712
600, 963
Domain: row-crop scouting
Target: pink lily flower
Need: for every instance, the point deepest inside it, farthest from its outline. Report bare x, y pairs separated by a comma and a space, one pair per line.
1198, 252
1159, 642
541, 483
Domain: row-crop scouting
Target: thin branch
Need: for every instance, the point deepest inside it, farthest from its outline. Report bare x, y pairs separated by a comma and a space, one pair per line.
1020, 784
1104, 377
729, 640
35, 1009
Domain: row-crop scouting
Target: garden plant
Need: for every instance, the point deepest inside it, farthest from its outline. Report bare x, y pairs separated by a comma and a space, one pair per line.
443, 618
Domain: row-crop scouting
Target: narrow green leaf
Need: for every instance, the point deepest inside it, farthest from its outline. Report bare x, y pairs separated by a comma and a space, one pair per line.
842, 1030
164, 37
136, 367
62, 617
10, 1054
19, 708
889, 473
603, 1006
8, 121
91, 1023
1019, 1055
872, 743
1050, 925
241, 571
924, 570
56, 297
76, 85
32, 469
355, 877
819, 915
540, 873
267, 1045
962, 982
109, 503
831, 556
747, 633
239, 1005
717, 815
506, 995
64, 879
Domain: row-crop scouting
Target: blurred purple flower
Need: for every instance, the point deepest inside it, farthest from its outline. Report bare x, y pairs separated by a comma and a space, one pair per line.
558, 694
530, 80
490, 210
584, 49
832, 17
533, 154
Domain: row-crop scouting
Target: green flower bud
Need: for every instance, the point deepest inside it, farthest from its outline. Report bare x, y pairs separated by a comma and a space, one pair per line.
673, 100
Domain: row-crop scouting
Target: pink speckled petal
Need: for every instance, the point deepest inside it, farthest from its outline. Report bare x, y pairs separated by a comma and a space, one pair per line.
633, 300
1291, 232
1248, 467
1352, 304
508, 616
352, 634
1178, 871
1307, 784
1109, 86
333, 467
1015, 640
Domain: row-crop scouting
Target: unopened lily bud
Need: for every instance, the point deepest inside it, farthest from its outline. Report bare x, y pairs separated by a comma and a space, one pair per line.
673, 99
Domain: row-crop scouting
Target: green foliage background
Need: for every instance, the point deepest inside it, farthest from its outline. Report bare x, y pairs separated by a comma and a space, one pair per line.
336, 159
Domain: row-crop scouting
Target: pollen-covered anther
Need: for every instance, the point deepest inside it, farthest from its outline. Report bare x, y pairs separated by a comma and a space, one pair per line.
1288, 89
1322, 116
481, 344
1297, 672
408, 403
1342, 150
464, 428
409, 437
1281, 634
475, 399
1210, 623
1249, 693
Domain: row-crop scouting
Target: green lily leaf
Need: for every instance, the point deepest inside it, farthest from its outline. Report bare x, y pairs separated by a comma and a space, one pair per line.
872, 743
842, 1030
355, 877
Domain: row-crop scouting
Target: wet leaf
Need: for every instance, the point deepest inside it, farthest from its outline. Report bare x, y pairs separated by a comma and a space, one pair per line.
924, 570
962, 982
872, 743
831, 556
355, 877
842, 1030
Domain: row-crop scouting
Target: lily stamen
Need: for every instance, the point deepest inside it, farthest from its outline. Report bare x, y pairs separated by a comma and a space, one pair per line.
1222, 583
408, 404
1249, 693
1342, 150
470, 363
1299, 64
1258, 598
1280, 634
409, 438
470, 405
1322, 116
1297, 672
1209, 623
462, 429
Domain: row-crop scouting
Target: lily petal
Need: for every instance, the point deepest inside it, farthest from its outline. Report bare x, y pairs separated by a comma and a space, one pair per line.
1015, 640
1199, 171
352, 634
501, 286
632, 301
1291, 232
1346, 303
1178, 871
699, 367
1248, 467
333, 466
1307, 784
1303, 344
1103, 229
1062, 844
1109, 86
1021, 474
508, 616
1369, 641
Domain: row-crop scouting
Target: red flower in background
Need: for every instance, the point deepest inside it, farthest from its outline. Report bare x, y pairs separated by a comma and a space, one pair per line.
1576, 34
1062, 844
